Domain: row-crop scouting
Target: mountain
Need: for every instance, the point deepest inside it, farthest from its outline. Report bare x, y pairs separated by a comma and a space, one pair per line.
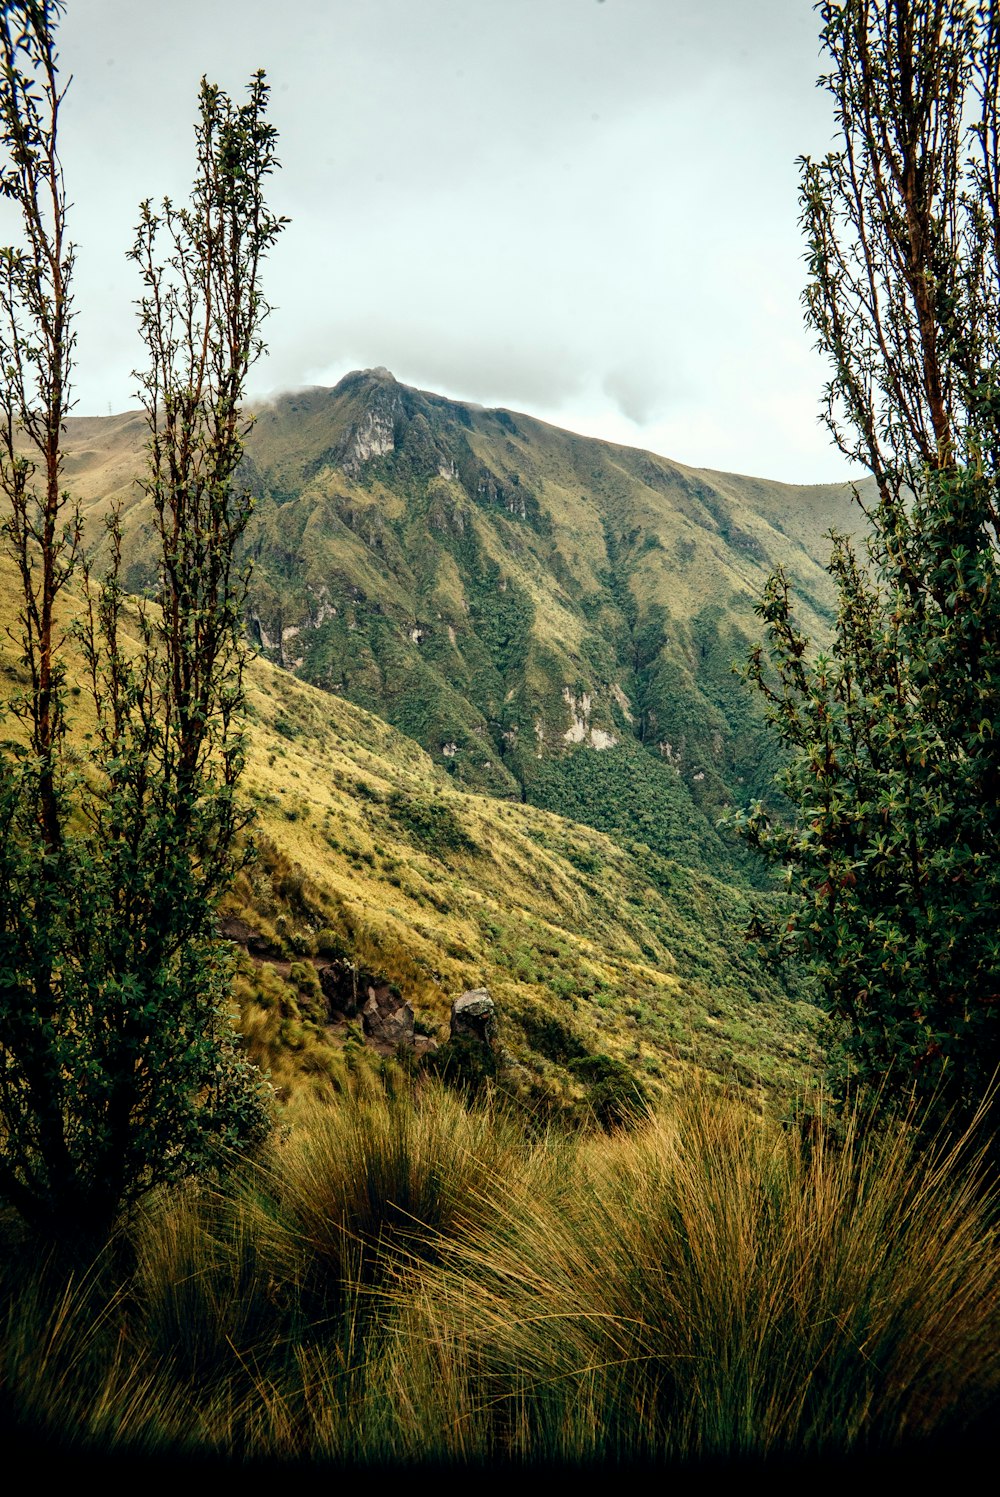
494, 723
552, 618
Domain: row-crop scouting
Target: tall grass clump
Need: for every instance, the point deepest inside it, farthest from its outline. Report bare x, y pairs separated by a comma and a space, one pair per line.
253, 1318
716, 1287
403, 1277
392, 1174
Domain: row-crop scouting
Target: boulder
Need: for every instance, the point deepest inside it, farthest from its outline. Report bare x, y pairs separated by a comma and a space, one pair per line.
473, 1017
386, 1017
344, 989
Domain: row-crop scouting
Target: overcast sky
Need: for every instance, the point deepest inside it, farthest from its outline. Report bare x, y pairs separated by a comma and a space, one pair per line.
585, 209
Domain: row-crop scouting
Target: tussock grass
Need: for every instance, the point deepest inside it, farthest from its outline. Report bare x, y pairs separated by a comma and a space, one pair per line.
392, 1178
713, 1287
404, 1278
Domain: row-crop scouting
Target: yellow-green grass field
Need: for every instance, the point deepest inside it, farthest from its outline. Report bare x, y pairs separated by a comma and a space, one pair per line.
402, 1279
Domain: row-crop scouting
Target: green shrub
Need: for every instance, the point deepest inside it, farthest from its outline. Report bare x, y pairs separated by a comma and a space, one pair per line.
432, 824
550, 1036
614, 1093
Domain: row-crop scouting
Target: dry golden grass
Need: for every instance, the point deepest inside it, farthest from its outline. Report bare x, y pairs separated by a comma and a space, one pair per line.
403, 1279
717, 1288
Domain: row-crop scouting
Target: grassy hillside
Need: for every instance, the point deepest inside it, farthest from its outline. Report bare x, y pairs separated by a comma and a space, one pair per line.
588, 945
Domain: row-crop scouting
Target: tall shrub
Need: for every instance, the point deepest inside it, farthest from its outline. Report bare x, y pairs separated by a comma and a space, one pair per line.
119, 1066
893, 854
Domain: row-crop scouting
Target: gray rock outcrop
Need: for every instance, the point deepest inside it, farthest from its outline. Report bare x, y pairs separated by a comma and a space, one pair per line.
473, 1016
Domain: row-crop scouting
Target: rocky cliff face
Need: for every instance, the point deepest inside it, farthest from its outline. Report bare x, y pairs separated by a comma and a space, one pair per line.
373, 434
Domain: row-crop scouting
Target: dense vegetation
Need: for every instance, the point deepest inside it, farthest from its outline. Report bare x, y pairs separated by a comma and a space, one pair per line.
893, 850
119, 1068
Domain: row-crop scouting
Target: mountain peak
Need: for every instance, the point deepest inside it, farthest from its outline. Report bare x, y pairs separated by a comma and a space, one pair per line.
380, 375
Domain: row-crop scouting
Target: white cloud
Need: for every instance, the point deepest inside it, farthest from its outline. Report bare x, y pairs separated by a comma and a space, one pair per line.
588, 210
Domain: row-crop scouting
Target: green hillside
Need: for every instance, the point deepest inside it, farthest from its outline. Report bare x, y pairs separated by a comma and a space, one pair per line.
517, 599
372, 851
495, 723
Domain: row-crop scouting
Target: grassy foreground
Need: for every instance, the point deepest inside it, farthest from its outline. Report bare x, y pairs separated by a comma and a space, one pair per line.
404, 1278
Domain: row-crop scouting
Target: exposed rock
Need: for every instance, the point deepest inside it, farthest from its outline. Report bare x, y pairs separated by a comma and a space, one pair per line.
483, 484
259, 633
473, 1016
232, 928
579, 707
374, 435
386, 1017
580, 729
344, 989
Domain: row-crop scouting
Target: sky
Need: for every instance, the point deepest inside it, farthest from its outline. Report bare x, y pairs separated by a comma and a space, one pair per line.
582, 209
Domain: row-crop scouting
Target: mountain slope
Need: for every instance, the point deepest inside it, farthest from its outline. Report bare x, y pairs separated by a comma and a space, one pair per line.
551, 617
371, 850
